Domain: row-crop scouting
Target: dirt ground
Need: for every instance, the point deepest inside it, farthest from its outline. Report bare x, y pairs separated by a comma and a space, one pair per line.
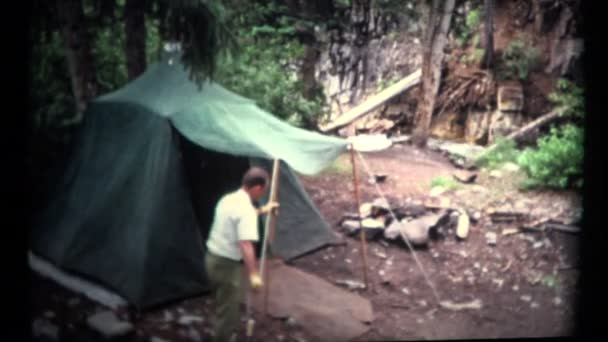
527, 283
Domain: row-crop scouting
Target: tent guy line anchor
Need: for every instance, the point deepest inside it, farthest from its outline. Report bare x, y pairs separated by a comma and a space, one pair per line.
446, 304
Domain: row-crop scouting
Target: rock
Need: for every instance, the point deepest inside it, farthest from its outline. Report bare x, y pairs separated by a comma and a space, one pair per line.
405, 291
491, 238
526, 298
557, 301
537, 245
393, 230
189, 319
365, 209
534, 305
477, 265
462, 228
510, 231
73, 302
372, 228
510, 98
157, 339
463, 253
380, 206
499, 282
380, 254
464, 176
351, 284
351, 226
436, 191
510, 167
168, 316
475, 304
503, 123
495, 174
422, 303
291, 322
43, 327
108, 324
476, 126
193, 335
515, 288
348, 261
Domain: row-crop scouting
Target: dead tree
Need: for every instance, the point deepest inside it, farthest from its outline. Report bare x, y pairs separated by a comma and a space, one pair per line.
434, 42
78, 52
486, 61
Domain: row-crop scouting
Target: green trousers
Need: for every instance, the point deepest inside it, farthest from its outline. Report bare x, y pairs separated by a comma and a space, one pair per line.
226, 278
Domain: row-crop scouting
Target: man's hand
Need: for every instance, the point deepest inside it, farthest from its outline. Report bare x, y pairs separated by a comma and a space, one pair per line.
268, 207
255, 280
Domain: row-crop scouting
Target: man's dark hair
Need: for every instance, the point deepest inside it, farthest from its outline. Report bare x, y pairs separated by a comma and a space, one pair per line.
255, 176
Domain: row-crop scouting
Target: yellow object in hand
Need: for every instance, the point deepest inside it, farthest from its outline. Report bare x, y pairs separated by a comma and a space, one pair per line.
255, 280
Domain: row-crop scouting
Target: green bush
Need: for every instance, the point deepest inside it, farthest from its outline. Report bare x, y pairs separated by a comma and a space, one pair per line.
569, 97
505, 151
519, 59
447, 183
557, 162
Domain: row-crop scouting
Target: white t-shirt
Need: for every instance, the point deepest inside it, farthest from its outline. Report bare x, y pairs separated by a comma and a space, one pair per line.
235, 220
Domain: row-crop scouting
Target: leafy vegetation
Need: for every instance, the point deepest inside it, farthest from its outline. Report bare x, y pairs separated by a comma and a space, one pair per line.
445, 182
557, 161
468, 29
505, 151
519, 59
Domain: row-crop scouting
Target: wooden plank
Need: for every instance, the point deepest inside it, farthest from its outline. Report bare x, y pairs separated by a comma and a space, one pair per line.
375, 101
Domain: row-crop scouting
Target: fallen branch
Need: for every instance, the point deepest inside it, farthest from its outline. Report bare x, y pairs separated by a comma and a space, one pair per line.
517, 135
375, 101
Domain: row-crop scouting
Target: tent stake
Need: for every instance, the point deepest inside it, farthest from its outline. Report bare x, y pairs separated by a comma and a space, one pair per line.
362, 233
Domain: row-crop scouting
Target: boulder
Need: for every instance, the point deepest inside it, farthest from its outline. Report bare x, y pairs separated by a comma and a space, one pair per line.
510, 98
108, 324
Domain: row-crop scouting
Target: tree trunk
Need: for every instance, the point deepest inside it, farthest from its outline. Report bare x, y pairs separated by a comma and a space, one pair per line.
78, 51
135, 33
435, 39
488, 35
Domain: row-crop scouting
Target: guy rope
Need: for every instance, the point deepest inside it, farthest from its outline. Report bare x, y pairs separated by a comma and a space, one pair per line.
447, 304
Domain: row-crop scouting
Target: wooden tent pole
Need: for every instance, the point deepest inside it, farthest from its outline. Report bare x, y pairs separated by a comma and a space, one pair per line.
362, 233
270, 226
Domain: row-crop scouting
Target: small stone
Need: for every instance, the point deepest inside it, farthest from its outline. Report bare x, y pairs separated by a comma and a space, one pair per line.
43, 327
168, 316
108, 324
405, 291
463, 254
325, 257
435, 255
351, 284
526, 298
187, 320
510, 167
484, 270
389, 262
534, 305
291, 322
422, 303
537, 245
380, 254
436, 191
515, 288
491, 238
180, 310
280, 338
381, 272
73, 302
477, 265
419, 321
498, 282
495, 174
557, 301
348, 261
157, 339
194, 335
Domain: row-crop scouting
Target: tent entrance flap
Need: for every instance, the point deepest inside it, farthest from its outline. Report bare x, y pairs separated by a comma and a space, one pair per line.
209, 175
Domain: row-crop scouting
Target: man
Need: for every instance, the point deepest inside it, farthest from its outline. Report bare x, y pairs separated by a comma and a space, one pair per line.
230, 242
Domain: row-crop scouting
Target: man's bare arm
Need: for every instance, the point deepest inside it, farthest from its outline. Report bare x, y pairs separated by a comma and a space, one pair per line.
248, 253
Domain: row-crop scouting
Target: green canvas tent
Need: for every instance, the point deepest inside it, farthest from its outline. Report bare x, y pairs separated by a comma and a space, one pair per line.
150, 161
